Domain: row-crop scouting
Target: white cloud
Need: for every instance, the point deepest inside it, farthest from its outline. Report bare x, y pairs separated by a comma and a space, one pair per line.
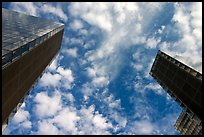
76, 25
20, 116
47, 128
61, 78
83, 32
94, 15
27, 124
117, 20
155, 87
70, 97
66, 73
152, 42
73, 41
143, 127
93, 123
87, 90
32, 8
46, 105
21, 119
114, 108
188, 24
66, 119
100, 81
25, 7
91, 72
71, 52
49, 79
137, 55
160, 31
57, 11
138, 67
100, 121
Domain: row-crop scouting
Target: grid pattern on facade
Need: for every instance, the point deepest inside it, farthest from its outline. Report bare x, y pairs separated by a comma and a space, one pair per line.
21, 33
180, 81
188, 124
28, 45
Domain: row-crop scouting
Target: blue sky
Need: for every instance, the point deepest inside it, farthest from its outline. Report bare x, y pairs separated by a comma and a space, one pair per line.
99, 83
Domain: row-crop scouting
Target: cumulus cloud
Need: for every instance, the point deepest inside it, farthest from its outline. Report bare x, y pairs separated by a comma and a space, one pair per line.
155, 87
36, 8
152, 42
100, 81
93, 123
66, 119
71, 52
73, 41
61, 78
143, 127
70, 97
119, 32
67, 77
57, 11
21, 119
25, 7
50, 80
76, 25
95, 15
46, 128
188, 24
100, 122
47, 105
21, 116
87, 90
138, 66
84, 121
91, 72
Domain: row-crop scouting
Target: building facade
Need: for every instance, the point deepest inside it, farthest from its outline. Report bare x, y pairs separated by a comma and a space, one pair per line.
188, 124
181, 82
29, 44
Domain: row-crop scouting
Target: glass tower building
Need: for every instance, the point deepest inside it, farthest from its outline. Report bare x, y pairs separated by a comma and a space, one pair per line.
181, 82
188, 124
29, 44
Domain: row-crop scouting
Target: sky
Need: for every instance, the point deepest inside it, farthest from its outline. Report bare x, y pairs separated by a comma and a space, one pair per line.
99, 83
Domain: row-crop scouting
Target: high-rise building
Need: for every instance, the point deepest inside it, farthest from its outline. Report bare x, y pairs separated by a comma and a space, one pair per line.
181, 82
188, 124
29, 44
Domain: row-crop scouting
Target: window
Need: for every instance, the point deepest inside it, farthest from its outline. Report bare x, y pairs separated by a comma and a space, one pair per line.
7, 58
193, 72
16, 53
25, 48
31, 44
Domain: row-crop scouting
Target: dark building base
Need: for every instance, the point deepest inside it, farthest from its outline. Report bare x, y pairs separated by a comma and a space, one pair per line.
19, 76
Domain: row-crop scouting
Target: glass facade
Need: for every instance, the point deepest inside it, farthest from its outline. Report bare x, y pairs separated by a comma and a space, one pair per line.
188, 124
21, 33
29, 44
182, 83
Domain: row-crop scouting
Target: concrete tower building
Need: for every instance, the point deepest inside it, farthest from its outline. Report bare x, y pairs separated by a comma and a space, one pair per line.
29, 44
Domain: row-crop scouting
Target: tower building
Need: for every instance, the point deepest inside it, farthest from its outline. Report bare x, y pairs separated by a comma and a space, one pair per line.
181, 82
29, 44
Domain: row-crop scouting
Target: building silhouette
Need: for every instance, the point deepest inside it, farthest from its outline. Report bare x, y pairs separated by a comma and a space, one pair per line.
29, 44
181, 82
